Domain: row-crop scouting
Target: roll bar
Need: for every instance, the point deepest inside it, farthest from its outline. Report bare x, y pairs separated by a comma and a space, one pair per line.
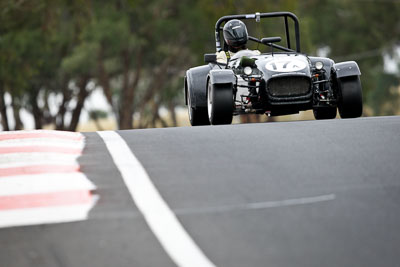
257, 17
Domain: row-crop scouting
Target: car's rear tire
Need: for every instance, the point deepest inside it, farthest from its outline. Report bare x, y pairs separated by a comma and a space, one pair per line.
220, 103
197, 116
350, 97
325, 113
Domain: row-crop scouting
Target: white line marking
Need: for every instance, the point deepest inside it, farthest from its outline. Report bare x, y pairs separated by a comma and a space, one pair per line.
161, 220
225, 208
257, 205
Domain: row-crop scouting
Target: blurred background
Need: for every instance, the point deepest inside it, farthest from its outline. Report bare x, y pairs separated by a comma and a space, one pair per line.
83, 65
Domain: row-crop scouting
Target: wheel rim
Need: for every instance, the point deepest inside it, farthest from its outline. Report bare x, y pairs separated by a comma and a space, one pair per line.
209, 101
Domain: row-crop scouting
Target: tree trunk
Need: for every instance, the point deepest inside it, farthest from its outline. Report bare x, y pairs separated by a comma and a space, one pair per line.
156, 83
36, 112
16, 108
125, 119
143, 123
3, 110
82, 95
156, 115
128, 91
98, 125
47, 118
171, 107
66, 93
104, 79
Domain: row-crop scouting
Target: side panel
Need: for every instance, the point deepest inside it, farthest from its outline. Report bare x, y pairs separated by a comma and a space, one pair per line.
196, 85
346, 69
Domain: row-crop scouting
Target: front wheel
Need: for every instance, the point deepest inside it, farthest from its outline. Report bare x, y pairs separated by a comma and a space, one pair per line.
197, 116
220, 103
350, 97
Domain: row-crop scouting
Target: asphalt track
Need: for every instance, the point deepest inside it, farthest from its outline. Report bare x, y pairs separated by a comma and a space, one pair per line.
312, 193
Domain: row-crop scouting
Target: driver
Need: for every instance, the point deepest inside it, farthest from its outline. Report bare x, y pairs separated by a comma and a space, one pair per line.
235, 36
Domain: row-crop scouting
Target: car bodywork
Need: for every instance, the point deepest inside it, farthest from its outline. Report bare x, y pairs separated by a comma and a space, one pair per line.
279, 82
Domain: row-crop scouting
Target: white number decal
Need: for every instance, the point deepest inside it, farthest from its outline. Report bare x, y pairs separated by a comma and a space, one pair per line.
285, 65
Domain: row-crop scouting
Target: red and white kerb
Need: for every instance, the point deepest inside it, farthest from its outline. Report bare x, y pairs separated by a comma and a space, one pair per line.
40, 178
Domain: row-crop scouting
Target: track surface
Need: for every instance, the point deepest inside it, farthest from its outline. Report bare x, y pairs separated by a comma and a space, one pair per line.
242, 193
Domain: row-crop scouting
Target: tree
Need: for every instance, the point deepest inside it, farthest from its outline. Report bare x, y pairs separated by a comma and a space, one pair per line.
356, 30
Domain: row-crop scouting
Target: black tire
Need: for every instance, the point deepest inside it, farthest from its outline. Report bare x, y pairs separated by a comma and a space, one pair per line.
325, 113
220, 103
350, 97
197, 116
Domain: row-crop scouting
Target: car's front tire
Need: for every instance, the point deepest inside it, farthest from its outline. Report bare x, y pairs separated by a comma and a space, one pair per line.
350, 97
220, 103
197, 116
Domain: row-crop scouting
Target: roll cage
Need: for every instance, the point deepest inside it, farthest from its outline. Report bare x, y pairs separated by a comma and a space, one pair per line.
257, 16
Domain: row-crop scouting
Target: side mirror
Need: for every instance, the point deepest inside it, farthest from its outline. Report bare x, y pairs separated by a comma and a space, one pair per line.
210, 58
270, 40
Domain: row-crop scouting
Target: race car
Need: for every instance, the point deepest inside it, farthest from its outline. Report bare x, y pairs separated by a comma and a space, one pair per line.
281, 81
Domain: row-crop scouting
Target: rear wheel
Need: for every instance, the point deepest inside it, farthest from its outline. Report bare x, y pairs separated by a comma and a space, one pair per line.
197, 116
220, 103
350, 97
325, 113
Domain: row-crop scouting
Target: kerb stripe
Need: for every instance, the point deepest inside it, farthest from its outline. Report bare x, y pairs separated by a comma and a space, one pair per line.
42, 149
45, 200
40, 134
37, 169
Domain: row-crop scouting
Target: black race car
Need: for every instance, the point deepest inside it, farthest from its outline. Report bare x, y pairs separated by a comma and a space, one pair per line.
281, 82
